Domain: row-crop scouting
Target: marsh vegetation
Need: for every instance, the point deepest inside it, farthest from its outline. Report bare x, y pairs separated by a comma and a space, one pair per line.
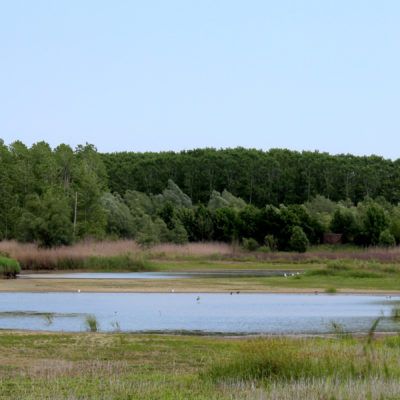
122, 366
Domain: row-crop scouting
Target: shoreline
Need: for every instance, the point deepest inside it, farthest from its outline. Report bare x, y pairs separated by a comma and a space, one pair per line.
171, 286
206, 335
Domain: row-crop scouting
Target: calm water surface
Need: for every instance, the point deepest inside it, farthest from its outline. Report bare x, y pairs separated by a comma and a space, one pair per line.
222, 313
158, 275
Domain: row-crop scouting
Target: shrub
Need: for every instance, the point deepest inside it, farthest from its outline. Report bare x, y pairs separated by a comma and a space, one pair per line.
386, 239
250, 244
271, 242
298, 241
9, 268
264, 249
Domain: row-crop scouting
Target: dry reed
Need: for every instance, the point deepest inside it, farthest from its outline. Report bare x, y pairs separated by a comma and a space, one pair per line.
31, 256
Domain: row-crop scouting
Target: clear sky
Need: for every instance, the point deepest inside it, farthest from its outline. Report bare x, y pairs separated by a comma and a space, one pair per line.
179, 74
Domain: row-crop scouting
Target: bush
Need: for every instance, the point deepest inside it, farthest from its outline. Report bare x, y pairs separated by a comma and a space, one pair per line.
344, 222
298, 241
9, 268
250, 244
264, 249
386, 239
271, 242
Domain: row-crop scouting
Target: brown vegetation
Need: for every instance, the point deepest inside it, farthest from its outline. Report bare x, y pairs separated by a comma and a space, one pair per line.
30, 256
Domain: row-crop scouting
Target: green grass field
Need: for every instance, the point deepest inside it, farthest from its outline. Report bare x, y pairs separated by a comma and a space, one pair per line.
124, 366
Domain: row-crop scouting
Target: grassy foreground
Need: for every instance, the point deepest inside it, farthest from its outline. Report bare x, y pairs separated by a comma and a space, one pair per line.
125, 366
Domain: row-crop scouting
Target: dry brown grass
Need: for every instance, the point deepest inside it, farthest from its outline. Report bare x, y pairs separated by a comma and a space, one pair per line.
28, 251
31, 256
202, 249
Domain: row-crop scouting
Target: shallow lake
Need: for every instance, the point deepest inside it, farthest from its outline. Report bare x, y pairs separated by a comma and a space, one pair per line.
217, 313
158, 275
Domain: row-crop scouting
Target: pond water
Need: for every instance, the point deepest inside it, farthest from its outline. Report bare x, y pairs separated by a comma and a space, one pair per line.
104, 275
158, 275
208, 313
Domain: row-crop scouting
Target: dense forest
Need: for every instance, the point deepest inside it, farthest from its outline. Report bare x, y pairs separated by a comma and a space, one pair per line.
258, 177
274, 200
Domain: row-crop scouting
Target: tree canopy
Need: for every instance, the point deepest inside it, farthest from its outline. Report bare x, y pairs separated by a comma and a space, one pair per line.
279, 199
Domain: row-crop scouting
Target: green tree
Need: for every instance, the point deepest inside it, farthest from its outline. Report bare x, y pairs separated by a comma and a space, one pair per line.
120, 221
298, 241
344, 222
47, 220
90, 183
374, 221
386, 239
8, 197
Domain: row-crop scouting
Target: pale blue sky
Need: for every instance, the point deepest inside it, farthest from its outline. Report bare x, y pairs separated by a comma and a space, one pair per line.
171, 75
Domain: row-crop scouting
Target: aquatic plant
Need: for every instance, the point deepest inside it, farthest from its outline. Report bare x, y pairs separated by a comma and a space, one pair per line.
48, 317
116, 326
92, 323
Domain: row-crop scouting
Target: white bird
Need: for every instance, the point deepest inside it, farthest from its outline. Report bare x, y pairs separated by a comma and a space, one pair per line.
172, 290
285, 275
79, 290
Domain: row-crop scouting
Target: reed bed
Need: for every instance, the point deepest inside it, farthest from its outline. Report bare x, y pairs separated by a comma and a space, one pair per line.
378, 254
126, 254
200, 249
32, 257
84, 255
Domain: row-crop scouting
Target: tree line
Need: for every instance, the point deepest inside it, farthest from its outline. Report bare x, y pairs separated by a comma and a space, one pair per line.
276, 200
259, 177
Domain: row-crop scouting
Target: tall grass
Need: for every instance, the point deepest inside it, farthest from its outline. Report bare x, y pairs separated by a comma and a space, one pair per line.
214, 250
30, 256
280, 359
92, 324
85, 254
106, 255
318, 253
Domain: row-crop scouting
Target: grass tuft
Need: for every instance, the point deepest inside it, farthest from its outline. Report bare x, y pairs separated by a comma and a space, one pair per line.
92, 323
